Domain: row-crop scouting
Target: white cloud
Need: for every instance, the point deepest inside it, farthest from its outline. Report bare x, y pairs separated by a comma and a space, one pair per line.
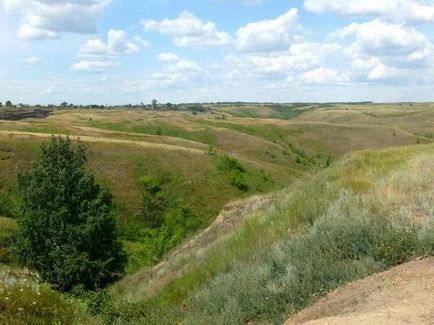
97, 55
45, 19
117, 44
383, 72
379, 38
32, 60
411, 11
379, 50
94, 66
189, 31
324, 76
298, 58
269, 35
179, 73
167, 57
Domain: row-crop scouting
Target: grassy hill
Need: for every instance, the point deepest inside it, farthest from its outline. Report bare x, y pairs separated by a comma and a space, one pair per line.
320, 227
368, 212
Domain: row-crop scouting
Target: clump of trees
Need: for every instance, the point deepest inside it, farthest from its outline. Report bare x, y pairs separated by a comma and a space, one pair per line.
67, 231
236, 172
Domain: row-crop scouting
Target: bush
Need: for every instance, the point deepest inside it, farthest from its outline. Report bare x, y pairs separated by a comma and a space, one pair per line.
8, 205
346, 244
153, 202
227, 163
67, 232
238, 180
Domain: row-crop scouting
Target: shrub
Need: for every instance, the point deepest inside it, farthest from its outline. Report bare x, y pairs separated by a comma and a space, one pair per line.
153, 202
347, 243
67, 231
238, 180
230, 164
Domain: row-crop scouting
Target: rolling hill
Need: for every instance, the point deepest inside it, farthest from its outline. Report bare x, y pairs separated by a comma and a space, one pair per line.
357, 173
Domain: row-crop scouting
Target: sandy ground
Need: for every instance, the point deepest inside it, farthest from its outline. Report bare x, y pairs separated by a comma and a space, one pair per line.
402, 295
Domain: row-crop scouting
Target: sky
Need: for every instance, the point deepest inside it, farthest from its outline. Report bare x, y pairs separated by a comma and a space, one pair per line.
132, 51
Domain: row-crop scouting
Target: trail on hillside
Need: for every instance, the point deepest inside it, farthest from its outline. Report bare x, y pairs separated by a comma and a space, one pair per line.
85, 138
402, 295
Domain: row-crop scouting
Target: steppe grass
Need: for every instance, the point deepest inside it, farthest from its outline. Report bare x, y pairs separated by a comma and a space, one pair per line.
25, 300
368, 212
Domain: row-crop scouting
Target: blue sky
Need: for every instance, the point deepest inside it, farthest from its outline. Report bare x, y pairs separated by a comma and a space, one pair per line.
131, 51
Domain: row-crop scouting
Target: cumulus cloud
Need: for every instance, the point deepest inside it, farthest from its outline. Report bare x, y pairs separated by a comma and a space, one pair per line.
48, 19
411, 11
167, 57
269, 35
380, 50
379, 38
117, 44
189, 31
324, 76
282, 64
94, 65
97, 55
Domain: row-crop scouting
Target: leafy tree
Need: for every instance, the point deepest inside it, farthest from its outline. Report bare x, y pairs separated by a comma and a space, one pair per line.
8, 103
154, 104
67, 231
153, 202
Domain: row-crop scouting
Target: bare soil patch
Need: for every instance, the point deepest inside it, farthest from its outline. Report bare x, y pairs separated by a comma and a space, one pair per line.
402, 295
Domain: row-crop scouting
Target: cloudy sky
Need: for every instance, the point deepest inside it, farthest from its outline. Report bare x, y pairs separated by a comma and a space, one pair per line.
131, 51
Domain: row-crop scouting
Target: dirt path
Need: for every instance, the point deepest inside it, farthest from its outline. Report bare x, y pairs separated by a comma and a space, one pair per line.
402, 295
84, 138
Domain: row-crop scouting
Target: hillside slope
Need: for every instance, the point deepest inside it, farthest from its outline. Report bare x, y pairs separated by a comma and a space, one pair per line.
402, 295
368, 212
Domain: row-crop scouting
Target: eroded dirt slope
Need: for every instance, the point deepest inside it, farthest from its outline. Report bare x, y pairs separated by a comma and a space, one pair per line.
402, 295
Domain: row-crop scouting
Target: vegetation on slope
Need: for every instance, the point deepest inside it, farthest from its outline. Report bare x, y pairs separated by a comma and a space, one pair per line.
368, 212
25, 300
187, 156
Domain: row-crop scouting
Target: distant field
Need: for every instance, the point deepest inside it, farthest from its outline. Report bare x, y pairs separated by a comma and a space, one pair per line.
276, 144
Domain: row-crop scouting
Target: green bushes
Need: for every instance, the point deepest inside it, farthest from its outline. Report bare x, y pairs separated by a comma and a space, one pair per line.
165, 220
9, 206
348, 243
238, 180
153, 202
7, 227
235, 170
67, 231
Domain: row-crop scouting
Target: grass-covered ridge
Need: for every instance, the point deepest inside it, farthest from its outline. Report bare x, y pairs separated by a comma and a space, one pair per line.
369, 211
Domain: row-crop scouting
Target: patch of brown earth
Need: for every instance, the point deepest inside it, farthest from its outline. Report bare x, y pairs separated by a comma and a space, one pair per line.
402, 295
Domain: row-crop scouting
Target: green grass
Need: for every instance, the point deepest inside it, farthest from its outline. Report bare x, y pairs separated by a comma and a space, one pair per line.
24, 300
323, 232
190, 179
7, 227
204, 135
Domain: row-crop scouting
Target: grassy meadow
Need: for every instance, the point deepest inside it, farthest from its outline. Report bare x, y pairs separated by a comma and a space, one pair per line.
368, 212
331, 193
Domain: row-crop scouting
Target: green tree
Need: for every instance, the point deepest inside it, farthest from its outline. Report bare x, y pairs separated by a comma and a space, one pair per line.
154, 104
8, 103
67, 231
153, 202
